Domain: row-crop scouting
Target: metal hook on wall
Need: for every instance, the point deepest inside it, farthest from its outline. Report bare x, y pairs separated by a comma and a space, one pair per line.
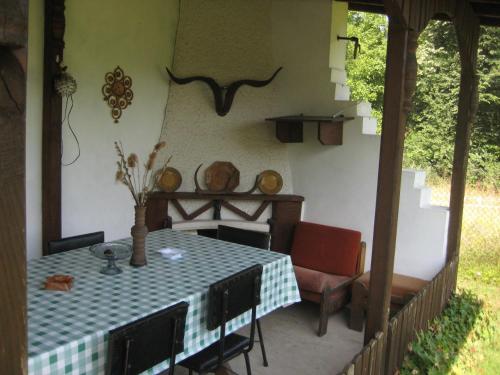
355, 39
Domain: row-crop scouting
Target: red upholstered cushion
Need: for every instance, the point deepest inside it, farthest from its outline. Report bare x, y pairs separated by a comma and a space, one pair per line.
316, 281
326, 249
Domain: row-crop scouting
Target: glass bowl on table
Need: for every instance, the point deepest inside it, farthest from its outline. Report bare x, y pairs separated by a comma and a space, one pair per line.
111, 252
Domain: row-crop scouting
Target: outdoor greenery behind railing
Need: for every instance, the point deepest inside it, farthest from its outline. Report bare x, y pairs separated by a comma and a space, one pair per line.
480, 240
416, 315
385, 357
451, 341
430, 133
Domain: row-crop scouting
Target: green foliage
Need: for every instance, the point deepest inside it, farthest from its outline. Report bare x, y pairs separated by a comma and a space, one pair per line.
462, 326
430, 134
480, 244
365, 75
431, 125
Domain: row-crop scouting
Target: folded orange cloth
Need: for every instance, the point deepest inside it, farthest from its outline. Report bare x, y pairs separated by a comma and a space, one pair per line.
59, 282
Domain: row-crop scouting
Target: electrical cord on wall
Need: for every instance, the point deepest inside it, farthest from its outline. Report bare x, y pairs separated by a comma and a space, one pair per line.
65, 86
70, 99
163, 130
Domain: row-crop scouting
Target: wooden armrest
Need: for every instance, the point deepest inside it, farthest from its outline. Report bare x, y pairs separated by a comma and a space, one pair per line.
343, 284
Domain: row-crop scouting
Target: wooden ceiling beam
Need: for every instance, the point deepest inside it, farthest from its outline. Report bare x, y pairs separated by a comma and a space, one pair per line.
13, 21
488, 11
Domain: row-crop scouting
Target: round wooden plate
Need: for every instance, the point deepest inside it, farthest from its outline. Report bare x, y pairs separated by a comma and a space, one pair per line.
222, 176
170, 180
270, 182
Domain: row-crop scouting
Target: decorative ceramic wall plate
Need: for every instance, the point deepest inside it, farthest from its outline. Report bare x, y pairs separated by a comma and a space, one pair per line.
222, 176
270, 182
117, 92
170, 180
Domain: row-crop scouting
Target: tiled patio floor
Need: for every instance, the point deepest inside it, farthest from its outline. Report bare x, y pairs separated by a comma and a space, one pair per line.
294, 348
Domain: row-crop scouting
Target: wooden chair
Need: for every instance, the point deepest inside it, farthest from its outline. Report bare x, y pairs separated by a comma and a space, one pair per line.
75, 242
228, 299
403, 289
246, 237
252, 238
144, 343
326, 262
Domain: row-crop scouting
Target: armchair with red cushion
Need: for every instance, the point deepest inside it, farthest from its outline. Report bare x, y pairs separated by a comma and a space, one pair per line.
326, 261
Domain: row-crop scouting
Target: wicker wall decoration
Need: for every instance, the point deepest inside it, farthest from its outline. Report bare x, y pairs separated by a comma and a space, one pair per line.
117, 92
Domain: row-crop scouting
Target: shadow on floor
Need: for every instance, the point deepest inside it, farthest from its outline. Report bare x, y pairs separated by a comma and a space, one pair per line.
293, 346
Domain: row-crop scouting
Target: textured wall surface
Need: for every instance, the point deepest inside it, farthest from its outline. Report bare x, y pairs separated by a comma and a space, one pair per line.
226, 40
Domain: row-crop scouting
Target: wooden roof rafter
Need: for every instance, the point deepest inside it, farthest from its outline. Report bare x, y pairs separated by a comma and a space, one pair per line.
488, 11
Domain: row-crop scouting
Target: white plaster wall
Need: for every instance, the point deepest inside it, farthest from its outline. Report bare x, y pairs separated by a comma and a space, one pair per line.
422, 229
338, 28
340, 182
100, 36
301, 44
338, 50
341, 189
34, 106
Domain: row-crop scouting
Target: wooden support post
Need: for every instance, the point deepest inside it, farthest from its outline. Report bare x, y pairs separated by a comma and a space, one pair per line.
389, 181
52, 117
468, 41
13, 324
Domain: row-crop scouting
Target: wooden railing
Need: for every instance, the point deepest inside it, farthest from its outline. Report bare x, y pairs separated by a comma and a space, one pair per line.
382, 356
417, 314
370, 360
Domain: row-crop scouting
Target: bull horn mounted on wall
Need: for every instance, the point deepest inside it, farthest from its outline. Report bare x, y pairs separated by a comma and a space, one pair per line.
223, 102
199, 190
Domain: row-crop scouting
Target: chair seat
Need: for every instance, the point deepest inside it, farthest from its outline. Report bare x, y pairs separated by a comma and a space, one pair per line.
401, 285
316, 281
206, 360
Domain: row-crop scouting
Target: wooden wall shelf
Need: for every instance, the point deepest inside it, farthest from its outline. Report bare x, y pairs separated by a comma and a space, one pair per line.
226, 196
289, 129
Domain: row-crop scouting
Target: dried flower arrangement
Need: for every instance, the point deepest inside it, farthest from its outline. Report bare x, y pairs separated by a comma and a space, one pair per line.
129, 173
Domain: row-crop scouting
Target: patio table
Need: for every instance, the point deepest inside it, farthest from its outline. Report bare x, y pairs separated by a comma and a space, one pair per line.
68, 331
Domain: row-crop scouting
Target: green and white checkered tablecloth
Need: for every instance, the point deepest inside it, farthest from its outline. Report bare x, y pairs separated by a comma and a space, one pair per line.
67, 331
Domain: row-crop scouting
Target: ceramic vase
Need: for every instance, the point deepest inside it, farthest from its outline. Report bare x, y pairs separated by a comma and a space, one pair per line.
139, 232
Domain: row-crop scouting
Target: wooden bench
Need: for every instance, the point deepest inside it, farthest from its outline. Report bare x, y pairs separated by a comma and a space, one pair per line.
403, 289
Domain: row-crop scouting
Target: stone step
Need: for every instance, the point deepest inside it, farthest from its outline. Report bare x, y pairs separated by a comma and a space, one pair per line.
351, 108
414, 188
363, 125
341, 92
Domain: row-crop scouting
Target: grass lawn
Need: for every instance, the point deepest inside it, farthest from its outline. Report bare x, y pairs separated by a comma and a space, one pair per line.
479, 272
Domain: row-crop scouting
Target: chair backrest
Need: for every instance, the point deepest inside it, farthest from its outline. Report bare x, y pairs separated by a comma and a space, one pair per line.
243, 236
327, 249
231, 297
142, 344
75, 242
